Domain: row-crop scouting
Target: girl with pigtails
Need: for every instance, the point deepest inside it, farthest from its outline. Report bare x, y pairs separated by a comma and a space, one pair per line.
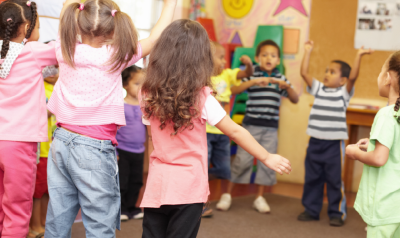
23, 114
379, 189
96, 43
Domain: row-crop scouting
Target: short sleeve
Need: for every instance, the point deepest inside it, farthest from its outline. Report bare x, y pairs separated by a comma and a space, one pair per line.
45, 54
347, 96
138, 55
383, 129
233, 80
314, 87
212, 112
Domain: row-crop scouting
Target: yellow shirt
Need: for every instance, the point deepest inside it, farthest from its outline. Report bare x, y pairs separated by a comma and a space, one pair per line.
222, 84
51, 121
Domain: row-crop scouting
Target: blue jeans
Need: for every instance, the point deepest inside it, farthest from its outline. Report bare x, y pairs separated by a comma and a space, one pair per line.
82, 173
219, 155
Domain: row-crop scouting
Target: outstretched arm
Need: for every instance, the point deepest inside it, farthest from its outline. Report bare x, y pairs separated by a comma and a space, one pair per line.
244, 86
308, 47
356, 68
377, 157
292, 95
249, 70
243, 138
162, 23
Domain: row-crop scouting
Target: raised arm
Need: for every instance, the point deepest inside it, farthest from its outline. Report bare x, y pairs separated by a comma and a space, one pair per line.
162, 23
308, 47
249, 70
377, 157
243, 138
356, 67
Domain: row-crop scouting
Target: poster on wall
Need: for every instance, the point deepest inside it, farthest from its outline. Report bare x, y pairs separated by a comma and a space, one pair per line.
378, 25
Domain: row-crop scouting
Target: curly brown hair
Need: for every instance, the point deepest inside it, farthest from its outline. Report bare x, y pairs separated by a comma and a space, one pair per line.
180, 66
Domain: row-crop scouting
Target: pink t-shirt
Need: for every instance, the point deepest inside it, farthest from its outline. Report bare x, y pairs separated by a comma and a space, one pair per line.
178, 170
89, 94
23, 114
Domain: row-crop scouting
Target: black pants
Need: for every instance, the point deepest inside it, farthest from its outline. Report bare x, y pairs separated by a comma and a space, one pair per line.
324, 165
130, 179
172, 221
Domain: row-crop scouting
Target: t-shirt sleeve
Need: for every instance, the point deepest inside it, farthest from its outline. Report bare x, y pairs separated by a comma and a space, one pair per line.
138, 55
45, 54
383, 129
212, 111
347, 96
314, 87
233, 80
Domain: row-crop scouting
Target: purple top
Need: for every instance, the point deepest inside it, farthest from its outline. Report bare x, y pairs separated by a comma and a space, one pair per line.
132, 137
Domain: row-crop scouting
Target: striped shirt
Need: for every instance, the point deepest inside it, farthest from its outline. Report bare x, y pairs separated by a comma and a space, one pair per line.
264, 102
328, 114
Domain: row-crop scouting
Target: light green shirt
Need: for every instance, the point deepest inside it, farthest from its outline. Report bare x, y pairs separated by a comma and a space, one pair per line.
378, 197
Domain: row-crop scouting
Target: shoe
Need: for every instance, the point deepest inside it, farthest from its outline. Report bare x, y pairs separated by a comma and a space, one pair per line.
261, 205
138, 216
305, 216
207, 213
225, 202
336, 221
124, 217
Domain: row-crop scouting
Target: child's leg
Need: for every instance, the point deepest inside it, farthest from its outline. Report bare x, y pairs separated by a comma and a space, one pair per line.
155, 222
35, 223
43, 208
124, 166
1, 196
18, 165
135, 181
334, 159
220, 157
384, 231
40, 190
315, 178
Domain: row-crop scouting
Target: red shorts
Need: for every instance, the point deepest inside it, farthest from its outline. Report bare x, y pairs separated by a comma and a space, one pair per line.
41, 179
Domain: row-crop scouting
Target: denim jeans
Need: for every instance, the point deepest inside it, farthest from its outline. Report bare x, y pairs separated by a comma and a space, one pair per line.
82, 173
219, 155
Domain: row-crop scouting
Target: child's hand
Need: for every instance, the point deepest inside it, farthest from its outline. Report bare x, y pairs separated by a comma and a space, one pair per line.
309, 45
278, 164
281, 84
363, 51
351, 151
262, 82
246, 60
363, 144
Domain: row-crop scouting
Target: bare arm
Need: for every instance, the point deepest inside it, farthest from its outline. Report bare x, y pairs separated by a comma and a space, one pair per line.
376, 158
305, 64
243, 138
292, 94
356, 68
150, 140
162, 23
244, 86
249, 70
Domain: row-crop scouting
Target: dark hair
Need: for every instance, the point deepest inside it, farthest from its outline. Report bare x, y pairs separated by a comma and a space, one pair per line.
265, 43
127, 74
14, 13
344, 68
96, 20
394, 65
180, 66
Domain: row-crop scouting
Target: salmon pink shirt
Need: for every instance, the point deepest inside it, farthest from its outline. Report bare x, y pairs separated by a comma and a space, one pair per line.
23, 114
178, 170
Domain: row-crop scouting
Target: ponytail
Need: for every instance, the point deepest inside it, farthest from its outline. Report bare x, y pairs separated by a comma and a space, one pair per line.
125, 41
33, 20
397, 106
69, 32
6, 41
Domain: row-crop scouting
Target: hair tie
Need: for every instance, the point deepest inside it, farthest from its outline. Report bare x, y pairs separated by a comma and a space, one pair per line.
28, 3
9, 19
113, 12
24, 41
81, 6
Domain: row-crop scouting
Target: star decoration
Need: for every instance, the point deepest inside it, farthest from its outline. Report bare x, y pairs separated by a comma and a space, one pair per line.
296, 4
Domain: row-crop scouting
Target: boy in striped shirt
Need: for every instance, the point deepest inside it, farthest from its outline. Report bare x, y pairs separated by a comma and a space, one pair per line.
265, 89
328, 130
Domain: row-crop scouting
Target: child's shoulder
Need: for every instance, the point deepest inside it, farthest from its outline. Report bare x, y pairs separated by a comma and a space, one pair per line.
386, 112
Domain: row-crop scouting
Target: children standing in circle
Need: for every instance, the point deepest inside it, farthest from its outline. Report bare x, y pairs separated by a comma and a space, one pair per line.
379, 188
131, 146
88, 104
23, 121
177, 102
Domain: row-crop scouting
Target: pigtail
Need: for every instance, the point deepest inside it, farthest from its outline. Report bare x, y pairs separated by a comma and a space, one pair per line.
69, 32
6, 40
33, 20
397, 106
125, 41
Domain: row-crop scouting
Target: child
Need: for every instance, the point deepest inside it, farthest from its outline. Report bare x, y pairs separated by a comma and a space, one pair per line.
261, 120
379, 190
131, 140
176, 103
41, 194
23, 121
327, 128
219, 144
88, 104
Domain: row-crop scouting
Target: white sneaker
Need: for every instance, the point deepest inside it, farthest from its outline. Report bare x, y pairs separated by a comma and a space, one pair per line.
124, 217
138, 216
225, 202
261, 205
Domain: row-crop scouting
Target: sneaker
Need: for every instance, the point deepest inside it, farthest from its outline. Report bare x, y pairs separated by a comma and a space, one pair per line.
336, 221
124, 217
261, 205
225, 202
305, 216
207, 213
138, 216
